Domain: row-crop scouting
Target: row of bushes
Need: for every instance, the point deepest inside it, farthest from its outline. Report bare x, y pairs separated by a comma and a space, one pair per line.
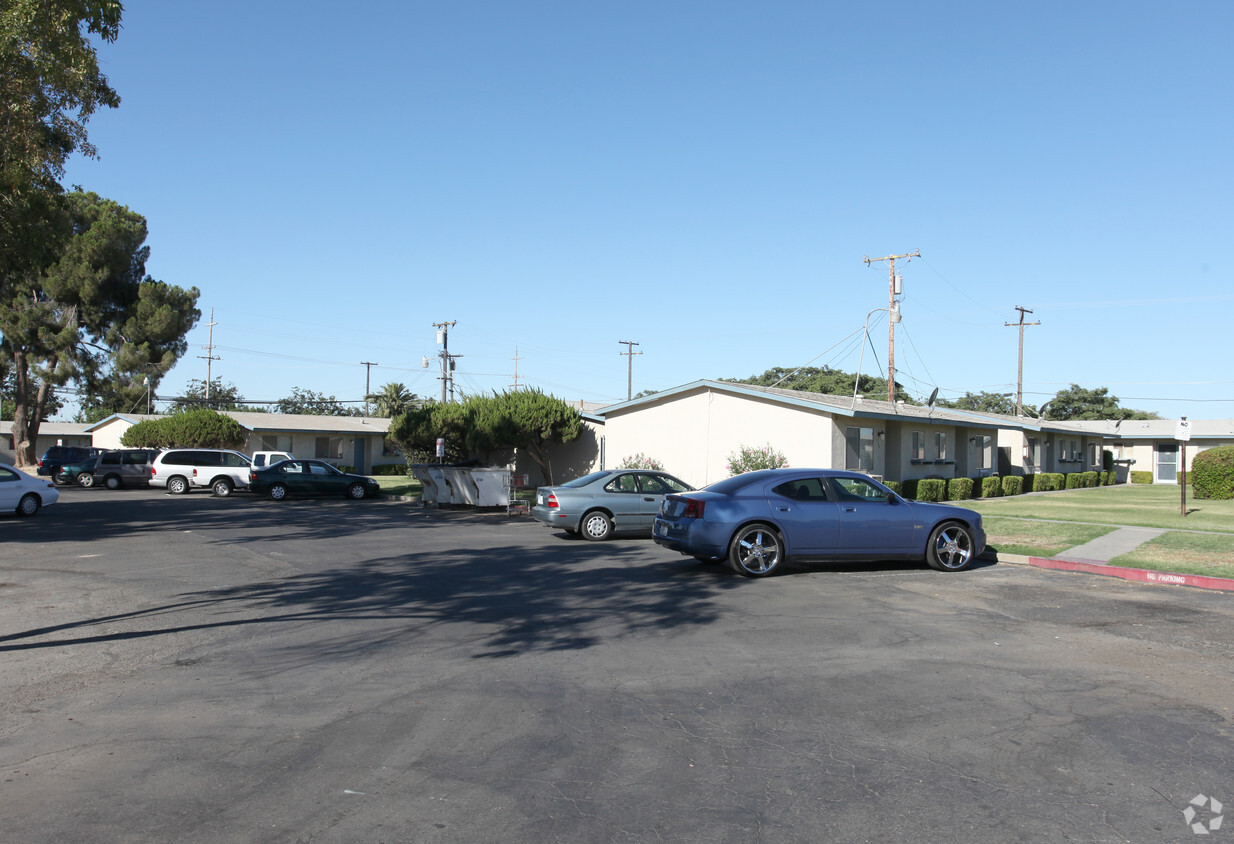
964, 489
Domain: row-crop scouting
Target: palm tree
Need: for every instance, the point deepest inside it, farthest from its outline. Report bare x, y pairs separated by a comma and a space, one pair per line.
392, 400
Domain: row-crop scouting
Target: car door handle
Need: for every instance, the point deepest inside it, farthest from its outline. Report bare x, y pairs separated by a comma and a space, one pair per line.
652, 498
784, 509
850, 509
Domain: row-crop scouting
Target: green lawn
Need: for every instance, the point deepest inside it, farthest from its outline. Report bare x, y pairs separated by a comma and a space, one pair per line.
1142, 505
1049, 523
398, 485
1036, 538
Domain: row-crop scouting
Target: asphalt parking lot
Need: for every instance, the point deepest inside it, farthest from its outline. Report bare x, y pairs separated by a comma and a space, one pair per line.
199, 669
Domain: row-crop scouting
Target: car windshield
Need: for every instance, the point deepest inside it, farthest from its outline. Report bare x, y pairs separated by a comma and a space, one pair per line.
586, 479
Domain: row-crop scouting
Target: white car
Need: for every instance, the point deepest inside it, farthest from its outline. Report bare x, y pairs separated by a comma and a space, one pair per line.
23, 494
220, 470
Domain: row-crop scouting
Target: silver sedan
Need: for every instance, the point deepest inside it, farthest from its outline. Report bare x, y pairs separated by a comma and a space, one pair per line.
606, 502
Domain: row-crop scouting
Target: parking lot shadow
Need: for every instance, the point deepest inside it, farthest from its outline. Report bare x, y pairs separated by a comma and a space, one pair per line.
514, 599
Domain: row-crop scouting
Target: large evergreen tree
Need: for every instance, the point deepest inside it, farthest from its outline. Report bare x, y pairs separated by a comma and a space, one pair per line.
91, 315
50, 85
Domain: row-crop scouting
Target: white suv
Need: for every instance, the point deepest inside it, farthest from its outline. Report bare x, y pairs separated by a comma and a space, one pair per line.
218, 469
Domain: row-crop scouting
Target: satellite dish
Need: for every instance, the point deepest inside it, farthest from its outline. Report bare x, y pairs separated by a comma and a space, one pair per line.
933, 397
1041, 410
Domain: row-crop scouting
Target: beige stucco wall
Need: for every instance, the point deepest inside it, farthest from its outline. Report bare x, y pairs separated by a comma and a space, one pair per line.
693, 434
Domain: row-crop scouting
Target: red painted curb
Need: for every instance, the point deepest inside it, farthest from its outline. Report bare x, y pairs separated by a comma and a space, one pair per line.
1199, 581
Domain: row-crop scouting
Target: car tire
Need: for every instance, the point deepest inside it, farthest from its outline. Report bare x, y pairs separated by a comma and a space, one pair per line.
112, 482
221, 488
755, 551
596, 526
85, 480
29, 504
950, 547
277, 492
356, 491
177, 485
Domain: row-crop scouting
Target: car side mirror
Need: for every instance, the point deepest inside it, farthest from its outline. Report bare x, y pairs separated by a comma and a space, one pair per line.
892, 498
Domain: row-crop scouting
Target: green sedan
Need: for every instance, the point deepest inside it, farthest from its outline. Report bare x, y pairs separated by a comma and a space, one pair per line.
309, 477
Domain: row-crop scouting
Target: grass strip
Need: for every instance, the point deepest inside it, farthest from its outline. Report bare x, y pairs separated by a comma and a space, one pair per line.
1184, 553
1034, 538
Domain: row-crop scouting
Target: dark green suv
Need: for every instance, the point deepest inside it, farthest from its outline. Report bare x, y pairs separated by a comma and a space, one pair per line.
53, 462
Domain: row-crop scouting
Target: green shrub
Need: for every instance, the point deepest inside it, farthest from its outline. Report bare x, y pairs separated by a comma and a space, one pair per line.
959, 489
910, 488
750, 459
642, 461
1013, 485
1109, 478
1048, 482
1141, 477
1212, 473
1029, 483
1072, 480
348, 470
392, 469
191, 429
931, 489
1090, 480
1107, 460
991, 487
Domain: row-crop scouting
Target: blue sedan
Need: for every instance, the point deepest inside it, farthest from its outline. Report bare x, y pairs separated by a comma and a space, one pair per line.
757, 520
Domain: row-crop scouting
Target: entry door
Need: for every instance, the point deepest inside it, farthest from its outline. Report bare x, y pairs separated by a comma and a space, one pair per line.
1167, 463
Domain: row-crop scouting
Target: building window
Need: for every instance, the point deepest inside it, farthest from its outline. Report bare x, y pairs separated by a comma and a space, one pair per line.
1032, 456
329, 448
859, 449
276, 442
918, 446
1094, 457
940, 445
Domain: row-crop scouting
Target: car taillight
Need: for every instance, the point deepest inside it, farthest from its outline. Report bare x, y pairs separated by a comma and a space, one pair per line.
551, 501
694, 509
153, 471
252, 476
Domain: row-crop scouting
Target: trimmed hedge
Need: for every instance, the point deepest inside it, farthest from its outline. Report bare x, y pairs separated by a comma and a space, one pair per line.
1013, 485
392, 469
910, 488
1109, 478
959, 489
1212, 473
1073, 480
894, 486
992, 487
1141, 477
931, 489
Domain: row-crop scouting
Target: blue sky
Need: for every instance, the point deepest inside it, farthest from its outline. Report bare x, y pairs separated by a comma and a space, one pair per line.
704, 179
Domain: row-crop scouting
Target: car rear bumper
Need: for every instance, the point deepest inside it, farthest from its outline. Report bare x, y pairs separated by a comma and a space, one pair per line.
554, 517
696, 538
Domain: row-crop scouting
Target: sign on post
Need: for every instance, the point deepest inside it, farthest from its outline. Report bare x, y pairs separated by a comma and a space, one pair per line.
1183, 433
441, 449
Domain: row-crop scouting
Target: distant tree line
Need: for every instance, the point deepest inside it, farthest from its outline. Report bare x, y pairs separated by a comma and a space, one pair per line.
1074, 402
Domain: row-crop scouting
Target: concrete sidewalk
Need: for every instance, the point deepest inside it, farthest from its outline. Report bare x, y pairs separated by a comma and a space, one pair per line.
1113, 544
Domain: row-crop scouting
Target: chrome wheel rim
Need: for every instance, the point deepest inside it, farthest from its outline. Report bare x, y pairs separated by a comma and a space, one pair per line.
953, 547
758, 551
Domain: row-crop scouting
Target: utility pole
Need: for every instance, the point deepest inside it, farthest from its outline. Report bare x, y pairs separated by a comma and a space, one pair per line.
630, 353
1019, 372
209, 356
516, 359
368, 368
895, 288
447, 360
